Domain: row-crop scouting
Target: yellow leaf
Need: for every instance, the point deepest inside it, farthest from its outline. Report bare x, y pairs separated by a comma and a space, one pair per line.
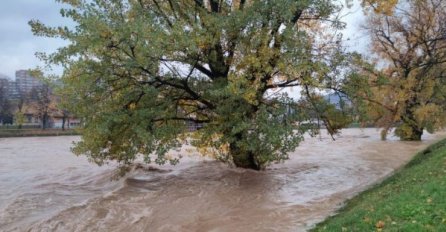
380, 224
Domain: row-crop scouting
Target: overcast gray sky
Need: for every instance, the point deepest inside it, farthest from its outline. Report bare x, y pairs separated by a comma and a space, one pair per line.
18, 45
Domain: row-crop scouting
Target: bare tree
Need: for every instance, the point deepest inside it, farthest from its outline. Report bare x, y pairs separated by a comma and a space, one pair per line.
41, 98
5, 104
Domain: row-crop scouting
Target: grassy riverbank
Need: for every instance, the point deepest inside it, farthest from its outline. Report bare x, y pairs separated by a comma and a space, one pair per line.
414, 199
5, 133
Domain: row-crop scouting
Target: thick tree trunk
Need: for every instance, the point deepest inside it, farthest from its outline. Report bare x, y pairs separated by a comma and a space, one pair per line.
415, 135
63, 123
243, 159
44, 122
408, 132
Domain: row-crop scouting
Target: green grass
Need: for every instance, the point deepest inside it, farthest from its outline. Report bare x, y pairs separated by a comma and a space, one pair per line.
414, 199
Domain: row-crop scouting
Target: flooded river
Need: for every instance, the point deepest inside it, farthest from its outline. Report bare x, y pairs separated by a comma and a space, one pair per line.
43, 187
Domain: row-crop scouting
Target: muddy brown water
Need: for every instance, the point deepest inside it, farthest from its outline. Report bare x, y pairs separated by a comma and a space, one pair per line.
44, 187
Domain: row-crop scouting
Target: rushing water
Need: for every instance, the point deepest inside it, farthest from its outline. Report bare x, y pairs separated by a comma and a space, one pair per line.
43, 187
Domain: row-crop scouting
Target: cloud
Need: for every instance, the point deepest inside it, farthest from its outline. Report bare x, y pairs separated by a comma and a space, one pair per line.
355, 37
17, 43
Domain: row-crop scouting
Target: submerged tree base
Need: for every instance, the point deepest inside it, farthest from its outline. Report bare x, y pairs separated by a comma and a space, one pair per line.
246, 161
413, 137
409, 133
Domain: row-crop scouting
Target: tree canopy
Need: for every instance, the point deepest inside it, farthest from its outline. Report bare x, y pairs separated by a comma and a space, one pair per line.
137, 70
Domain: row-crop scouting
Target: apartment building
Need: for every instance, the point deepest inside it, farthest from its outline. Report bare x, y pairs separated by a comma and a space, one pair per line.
25, 82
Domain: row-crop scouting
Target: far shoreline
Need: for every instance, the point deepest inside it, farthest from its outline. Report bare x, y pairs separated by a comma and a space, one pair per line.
19, 133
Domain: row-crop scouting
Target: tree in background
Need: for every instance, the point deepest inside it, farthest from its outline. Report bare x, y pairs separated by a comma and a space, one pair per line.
41, 101
409, 91
19, 119
65, 119
20, 105
59, 109
137, 70
5, 105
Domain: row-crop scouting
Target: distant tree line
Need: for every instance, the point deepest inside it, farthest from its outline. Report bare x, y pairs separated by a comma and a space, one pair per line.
39, 102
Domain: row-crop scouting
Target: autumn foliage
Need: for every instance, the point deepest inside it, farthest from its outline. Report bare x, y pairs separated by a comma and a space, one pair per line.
404, 86
137, 71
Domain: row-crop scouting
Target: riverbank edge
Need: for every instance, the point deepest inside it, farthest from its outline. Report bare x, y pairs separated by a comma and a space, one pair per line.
37, 133
394, 204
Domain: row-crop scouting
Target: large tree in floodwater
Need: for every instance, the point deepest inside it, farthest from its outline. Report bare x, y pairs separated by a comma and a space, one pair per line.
409, 91
137, 70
